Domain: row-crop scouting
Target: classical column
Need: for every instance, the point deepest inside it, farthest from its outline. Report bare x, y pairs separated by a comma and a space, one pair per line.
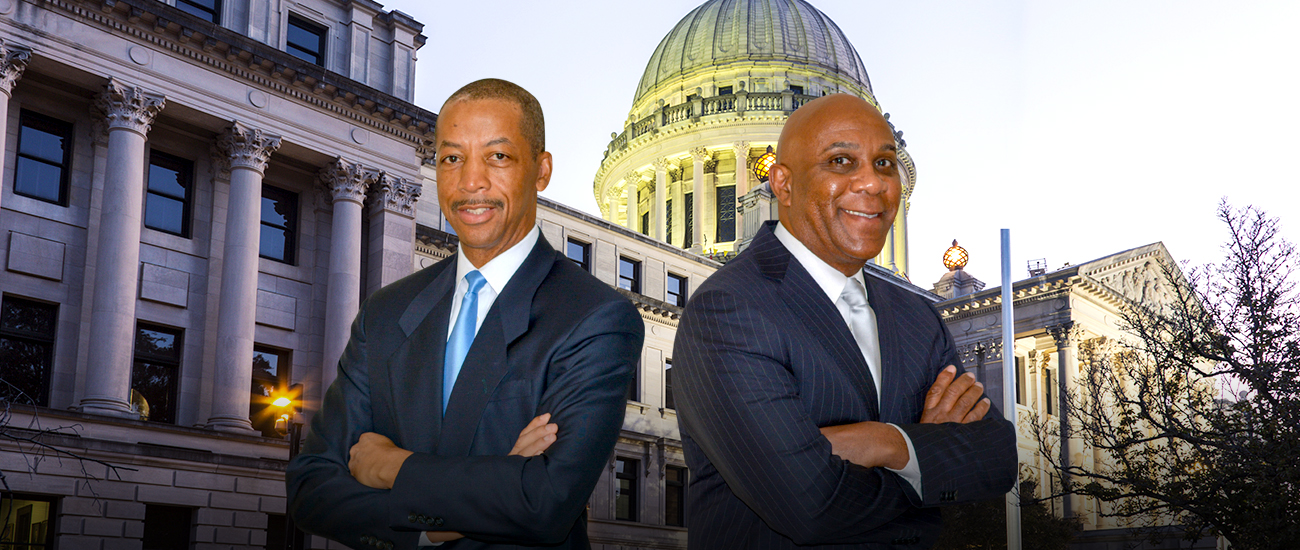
630, 199
677, 219
661, 195
1063, 335
128, 112
742, 167
392, 229
245, 152
13, 61
346, 183
698, 155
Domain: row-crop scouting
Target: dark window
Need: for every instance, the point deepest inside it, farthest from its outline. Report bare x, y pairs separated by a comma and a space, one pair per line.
629, 274
645, 223
726, 214
634, 385
26, 350
797, 89
27, 521
625, 470
169, 192
305, 40
668, 217
689, 216
270, 380
1049, 387
279, 224
675, 290
209, 10
724, 90
669, 402
1020, 380
276, 525
580, 253
44, 154
167, 527
692, 97
156, 372
675, 496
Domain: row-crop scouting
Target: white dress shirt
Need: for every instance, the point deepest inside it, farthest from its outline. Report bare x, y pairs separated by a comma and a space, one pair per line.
497, 272
832, 282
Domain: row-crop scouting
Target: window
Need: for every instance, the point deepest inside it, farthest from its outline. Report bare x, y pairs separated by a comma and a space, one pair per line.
724, 90
675, 496
1049, 386
156, 371
797, 89
167, 527
26, 350
208, 10
44, 155
675, 290
305, 40
276, 525
634, 385
689, 217
726, 214
270, 380
629, 274
669, 402
645, 223
625, 479
668, 217
580, 253
168, 196
1020, 380
279, 224
26, 520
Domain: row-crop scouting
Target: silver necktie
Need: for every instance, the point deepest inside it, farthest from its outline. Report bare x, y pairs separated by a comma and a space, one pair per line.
862, 323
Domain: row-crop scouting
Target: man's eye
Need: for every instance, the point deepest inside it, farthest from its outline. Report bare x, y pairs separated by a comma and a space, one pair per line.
498, 156
885, 163
841, 161
450, 159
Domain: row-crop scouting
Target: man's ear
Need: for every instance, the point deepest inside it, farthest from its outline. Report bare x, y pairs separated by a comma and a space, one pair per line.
778, 178
543, 170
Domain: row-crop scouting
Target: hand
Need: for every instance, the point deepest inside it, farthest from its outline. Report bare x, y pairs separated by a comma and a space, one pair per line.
375, 460
955, 398
537, 436
868, 444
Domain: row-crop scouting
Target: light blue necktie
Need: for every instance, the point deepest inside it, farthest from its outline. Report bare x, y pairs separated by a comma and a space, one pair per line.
462, 335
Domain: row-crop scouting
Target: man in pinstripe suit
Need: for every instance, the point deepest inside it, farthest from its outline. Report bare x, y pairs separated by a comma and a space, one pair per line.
820, 405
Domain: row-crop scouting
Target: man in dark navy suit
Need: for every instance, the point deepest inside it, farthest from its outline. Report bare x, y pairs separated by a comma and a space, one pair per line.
820, 405
478, 400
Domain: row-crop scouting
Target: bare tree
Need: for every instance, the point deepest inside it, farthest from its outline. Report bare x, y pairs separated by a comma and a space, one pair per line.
1198, 411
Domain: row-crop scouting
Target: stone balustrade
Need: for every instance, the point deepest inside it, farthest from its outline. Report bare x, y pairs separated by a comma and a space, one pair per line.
739, 104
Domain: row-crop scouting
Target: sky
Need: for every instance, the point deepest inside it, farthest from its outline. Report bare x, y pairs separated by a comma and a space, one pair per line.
1086, 128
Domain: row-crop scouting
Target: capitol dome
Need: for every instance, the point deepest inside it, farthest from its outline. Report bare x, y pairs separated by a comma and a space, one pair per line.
709, 110
726, 32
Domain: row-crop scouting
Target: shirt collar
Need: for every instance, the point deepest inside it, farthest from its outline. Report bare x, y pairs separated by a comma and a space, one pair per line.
829, 279
500, 269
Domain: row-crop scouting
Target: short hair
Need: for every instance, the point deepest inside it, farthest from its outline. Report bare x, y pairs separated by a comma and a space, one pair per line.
532, 125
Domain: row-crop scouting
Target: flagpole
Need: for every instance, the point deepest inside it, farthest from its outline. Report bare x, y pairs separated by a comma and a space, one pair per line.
1009, 385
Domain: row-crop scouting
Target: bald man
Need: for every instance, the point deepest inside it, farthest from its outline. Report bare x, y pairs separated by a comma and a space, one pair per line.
820, 405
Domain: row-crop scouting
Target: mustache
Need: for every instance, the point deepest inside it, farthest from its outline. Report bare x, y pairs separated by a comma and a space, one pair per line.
494, 203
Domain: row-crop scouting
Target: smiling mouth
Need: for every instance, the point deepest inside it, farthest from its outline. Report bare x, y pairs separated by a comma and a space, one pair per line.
862, 214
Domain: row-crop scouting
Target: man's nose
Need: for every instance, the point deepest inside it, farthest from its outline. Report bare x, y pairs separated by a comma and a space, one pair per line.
474, 176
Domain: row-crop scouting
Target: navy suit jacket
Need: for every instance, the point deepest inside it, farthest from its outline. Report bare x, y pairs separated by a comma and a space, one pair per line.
556, 340
763, 359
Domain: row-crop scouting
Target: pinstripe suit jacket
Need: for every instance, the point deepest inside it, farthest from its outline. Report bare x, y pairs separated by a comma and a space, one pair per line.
763, 359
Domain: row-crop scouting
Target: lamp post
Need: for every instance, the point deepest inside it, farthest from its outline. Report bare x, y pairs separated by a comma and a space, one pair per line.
287, 424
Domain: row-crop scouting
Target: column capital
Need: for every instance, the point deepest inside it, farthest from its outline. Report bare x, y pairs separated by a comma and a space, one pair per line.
632, 179
394, 194
121, 105
661, 165
700, 154
243, 147
742, 148
13, 61
1063, 333
345, 181
711, 166
427, 152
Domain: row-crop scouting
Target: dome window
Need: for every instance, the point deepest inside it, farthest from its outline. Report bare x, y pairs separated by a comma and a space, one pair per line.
724, 90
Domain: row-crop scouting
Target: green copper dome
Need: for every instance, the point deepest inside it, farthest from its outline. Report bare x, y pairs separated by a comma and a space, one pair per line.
721, 33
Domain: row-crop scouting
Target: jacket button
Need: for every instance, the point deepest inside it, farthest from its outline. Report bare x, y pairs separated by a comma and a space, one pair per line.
437, 522
410, 518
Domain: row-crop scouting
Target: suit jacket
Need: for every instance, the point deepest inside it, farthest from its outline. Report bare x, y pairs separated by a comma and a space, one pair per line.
763, 360
556, 340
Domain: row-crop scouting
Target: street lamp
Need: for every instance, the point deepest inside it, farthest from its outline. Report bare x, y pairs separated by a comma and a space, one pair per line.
287, 424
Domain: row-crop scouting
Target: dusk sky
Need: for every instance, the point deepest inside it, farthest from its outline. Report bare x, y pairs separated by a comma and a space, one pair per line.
1085, 128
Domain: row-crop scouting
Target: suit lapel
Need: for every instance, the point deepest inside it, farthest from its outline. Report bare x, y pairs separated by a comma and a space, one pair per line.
820, 317
488, 361
415, 372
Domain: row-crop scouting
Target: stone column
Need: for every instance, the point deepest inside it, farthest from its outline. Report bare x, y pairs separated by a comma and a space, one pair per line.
677, 219
661, 195
392, 229
742, 167
631, 200
245, 152
1063, 335
13, 61
346, 183
698, 156
127, 112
